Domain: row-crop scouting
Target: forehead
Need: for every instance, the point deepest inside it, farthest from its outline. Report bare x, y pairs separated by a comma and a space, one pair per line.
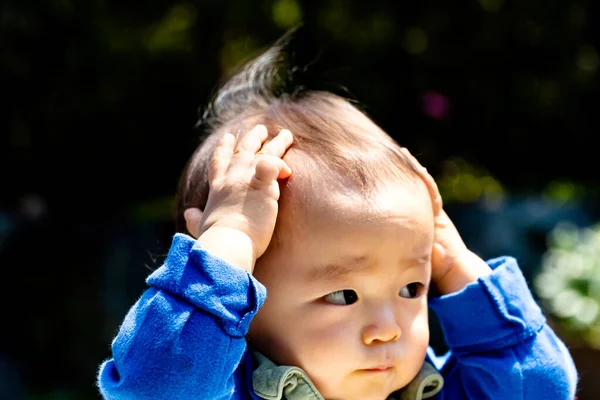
396, 206
333, 228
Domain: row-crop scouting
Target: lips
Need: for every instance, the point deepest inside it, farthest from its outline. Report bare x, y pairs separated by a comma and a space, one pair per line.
385, 362
379, 368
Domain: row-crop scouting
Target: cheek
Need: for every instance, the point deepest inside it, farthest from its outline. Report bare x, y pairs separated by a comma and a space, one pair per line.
323, 345
323, 336
269, 329
292, 333
413, 317
327, 351
418, 334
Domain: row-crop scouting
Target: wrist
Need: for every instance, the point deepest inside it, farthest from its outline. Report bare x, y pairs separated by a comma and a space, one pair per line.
230, 245
466, 269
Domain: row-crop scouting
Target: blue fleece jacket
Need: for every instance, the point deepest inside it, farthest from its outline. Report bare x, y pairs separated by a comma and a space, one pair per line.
184, 337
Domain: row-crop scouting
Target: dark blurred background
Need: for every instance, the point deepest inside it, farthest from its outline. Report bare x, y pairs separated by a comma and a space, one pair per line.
498, 99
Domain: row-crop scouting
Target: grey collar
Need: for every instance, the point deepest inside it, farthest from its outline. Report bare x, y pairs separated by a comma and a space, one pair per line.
277, 382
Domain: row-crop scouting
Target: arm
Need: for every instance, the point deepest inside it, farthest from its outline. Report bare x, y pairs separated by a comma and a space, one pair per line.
185, 336
501, 346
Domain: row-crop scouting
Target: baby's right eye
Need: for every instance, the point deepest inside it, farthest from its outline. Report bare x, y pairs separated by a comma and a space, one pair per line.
342, 297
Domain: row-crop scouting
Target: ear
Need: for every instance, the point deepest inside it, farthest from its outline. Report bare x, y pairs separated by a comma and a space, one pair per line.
192, 220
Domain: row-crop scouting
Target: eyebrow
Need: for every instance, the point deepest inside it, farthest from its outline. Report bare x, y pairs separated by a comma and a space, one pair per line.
331, 272
354, 265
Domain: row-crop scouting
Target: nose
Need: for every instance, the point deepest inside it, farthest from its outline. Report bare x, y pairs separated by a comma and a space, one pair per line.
382, 327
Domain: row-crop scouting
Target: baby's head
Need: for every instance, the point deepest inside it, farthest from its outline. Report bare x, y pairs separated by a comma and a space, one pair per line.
349, 266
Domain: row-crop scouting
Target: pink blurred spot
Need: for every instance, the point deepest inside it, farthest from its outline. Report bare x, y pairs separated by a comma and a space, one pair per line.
435, 105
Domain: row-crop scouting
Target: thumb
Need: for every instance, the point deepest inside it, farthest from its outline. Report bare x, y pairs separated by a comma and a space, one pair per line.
192, 220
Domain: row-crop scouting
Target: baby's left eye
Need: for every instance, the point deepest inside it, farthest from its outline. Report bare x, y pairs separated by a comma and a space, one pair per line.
412, 290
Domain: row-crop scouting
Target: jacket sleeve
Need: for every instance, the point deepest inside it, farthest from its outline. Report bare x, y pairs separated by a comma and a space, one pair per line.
184, 337
500, 344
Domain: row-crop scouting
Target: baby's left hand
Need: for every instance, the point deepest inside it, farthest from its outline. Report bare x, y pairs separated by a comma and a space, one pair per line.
453, 265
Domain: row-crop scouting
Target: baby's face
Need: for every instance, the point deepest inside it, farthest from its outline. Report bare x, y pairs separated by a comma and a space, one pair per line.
347, 292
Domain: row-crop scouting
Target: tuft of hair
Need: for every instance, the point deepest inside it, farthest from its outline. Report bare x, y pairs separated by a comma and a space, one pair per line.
336, 145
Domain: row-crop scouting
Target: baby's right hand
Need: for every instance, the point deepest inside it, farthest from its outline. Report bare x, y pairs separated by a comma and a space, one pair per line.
238, 221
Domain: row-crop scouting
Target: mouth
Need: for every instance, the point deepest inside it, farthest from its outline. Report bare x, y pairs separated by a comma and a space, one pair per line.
379, 368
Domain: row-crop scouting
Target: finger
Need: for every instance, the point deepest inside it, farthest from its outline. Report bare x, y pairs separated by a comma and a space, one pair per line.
284, 171
221, 157
244, 152
279, 144
432, 187
270, 168
251, 141
192, 218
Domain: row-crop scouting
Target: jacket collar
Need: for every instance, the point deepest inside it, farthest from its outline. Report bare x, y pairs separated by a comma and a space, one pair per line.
276, 382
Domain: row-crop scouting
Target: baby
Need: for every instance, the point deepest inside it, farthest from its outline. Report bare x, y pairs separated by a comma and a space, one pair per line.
310, 246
